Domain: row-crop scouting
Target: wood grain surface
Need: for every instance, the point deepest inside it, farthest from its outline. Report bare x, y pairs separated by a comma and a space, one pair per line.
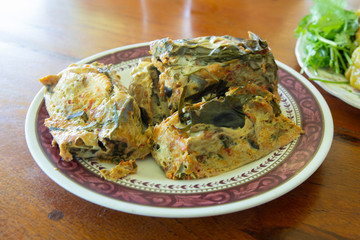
42, 37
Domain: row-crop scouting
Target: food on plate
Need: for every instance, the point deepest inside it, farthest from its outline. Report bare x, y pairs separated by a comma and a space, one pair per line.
121, 170
210, 65
144, 87
200, 106
209, 138
352, 73
92, 116
328, 33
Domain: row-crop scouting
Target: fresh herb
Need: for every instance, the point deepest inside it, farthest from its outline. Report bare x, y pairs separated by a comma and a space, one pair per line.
329, 34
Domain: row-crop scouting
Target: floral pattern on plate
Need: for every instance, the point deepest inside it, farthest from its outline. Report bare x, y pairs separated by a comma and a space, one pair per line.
148, 192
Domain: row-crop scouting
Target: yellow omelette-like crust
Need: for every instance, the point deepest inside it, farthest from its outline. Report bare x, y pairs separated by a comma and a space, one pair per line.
222, 93
207, 150
121, 170
145, 88
93, 116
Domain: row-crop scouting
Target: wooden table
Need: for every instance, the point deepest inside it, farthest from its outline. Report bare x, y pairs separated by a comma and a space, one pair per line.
40, 37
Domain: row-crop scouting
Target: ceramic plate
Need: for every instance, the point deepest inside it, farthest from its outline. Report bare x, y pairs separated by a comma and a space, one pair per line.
344, 91
149, 193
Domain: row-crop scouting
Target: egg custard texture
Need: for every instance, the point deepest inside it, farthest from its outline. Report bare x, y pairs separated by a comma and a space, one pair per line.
209, 138
200, 107
92, 116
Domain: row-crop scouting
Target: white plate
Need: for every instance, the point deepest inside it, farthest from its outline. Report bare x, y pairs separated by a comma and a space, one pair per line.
149, 193
344, 91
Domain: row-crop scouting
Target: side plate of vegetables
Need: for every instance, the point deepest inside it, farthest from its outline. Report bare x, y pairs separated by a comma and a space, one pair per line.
328, 49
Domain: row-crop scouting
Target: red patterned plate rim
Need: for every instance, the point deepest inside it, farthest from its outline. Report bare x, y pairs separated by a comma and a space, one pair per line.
301, 160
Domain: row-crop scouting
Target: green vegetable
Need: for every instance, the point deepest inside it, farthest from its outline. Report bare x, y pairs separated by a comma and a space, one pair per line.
227, 112
205, 51
329, 34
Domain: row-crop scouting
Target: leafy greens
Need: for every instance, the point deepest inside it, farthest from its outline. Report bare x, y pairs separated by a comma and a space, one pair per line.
329, 34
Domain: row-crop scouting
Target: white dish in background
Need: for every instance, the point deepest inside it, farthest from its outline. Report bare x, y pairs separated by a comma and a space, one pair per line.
150, 193
343, 91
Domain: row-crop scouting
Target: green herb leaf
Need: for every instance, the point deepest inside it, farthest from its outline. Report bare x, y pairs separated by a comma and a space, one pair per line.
227, 112
329, 34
